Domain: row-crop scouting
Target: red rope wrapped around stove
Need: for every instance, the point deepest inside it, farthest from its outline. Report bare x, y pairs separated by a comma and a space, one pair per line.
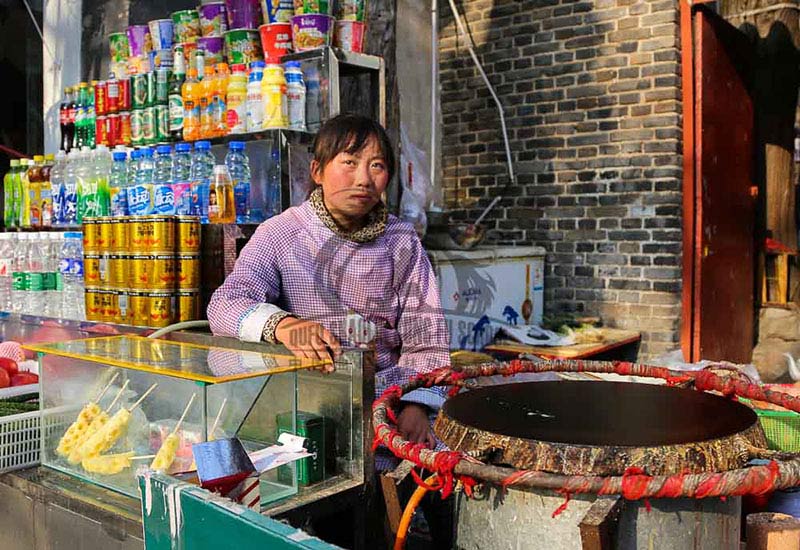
633, 485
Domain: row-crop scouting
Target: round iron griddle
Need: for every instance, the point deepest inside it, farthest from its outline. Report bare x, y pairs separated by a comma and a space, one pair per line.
570, 426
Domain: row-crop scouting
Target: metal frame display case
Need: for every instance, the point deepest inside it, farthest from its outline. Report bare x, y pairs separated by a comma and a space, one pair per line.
240, 393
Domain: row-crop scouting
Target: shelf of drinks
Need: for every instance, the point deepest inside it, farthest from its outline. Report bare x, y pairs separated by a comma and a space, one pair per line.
292, 136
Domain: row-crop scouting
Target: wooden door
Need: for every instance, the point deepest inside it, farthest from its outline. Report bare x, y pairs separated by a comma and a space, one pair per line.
720, 200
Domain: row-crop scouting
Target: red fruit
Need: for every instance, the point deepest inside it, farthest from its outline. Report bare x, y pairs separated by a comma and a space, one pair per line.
24, 378
9, 365
5, 379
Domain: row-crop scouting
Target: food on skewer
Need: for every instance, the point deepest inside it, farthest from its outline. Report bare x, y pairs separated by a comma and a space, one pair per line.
104, 438
166, 454
74, 433
110, 464
77, 453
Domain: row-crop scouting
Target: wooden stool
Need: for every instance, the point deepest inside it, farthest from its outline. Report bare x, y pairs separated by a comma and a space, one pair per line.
775, 276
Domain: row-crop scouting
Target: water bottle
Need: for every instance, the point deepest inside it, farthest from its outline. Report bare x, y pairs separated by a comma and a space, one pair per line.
6, 270
133, 165
36, 269
182, 179
70, 267
49, 267
68, 216
55, 283
118, 185
202, 170
86, 186
163, 197
19, 289
140, 194
103, 163
57, 178
239, 169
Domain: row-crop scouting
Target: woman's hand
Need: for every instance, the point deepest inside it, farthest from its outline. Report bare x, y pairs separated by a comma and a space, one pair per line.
414, 426
308, 340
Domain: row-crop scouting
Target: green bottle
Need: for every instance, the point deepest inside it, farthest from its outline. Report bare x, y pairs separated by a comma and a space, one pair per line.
10, 217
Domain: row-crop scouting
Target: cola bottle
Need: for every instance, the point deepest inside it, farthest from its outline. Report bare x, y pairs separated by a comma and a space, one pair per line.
66, 115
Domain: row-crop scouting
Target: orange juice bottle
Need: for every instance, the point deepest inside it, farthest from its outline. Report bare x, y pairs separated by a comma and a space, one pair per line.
191, 106
207, 87
219, 119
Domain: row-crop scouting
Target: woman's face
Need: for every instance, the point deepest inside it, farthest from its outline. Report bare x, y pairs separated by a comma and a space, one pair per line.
352, 184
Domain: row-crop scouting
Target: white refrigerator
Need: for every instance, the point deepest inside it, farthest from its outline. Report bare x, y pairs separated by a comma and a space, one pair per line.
486, 287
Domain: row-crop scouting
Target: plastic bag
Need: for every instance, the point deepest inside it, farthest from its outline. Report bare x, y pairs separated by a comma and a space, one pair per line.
415, 182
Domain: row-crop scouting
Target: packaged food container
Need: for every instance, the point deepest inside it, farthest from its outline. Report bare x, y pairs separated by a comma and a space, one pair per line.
161, 34
212, 48
186, 25
213, 19
243, 14
139, 41
277, 11
311, 31
276, 40
118, 47
349, 35
243, 46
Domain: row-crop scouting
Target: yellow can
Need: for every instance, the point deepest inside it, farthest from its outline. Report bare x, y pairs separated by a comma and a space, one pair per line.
153, 272
109, 306
104, 236
153, 235
124, 310
188, 305
151, 309
119, 235
188, 235
189, 271
91, 236
93, 270
93, 303
118, 272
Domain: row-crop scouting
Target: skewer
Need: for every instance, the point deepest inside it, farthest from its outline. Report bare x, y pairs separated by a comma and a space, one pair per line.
104, 390
186, 410
119, 394
145, 394
216, 420
143, 457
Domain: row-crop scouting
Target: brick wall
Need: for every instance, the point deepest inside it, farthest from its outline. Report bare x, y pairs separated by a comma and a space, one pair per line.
592, 97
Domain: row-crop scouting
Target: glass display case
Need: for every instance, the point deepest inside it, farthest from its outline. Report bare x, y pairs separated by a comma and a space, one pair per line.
159, 397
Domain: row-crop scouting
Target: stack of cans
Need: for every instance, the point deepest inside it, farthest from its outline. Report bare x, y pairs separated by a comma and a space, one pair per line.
112, 100
142, 271
150, 115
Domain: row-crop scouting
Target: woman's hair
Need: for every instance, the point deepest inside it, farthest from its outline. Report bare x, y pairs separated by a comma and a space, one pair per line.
348, 133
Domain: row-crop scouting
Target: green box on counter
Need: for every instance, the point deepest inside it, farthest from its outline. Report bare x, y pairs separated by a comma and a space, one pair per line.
311, 426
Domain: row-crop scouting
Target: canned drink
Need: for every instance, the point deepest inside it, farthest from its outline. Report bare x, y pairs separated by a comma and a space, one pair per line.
125, 129
137, 127
90, 236
112, 94
104, 236
152, 235
125, 94
151, 88
101, 98
119, 235
118, 272
124, 310
152, 272
188, 234
113, 130
162, 123
109, 306
162, 86
93, 304
149, 125
101, 130
93, 270
151, 309
188, 305
188, 271
139, 91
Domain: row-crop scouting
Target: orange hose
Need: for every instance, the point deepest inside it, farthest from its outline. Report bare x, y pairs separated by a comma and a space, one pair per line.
408, 513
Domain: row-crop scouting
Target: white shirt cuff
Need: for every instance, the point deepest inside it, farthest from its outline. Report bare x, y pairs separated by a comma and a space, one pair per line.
252, 324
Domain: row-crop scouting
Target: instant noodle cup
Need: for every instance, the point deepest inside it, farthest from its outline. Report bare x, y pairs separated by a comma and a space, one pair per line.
186, 25
161, 34
243, 14
139, 41
276, 40
243, 46
349, 35
212, 48
118, 47
139, 64
277, 11
298, 7
324, 7
163, 58
352, 10
311, 31
213, 19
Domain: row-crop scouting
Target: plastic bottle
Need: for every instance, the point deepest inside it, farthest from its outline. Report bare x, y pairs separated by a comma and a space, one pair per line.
53, 283
85, 189
35, 192
36, 258
273, 90
176, 98
236, 100
93, 188
182, 179
19, 275
102, 166
191, 107
313, 100
8, 194
118, 184
12, 207
91, 119
140, 194
220, 197
46, 192
133, 166
66, 118
219, 108
70, 267
6, 270
202, 171
295, 96
163, 194
81, 114
57, 188
68, 197
207, 87
25, 189
255, 98
239, 170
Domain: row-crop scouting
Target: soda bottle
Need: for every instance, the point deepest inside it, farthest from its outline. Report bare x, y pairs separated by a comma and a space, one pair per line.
118, 184
191, 107
86, 188
176, 98
64, 117
25, 189
91, 119
81, 116
9, 219
16, 194
220, 197
103, 162
239, 170
219, 109
163, 197
202, 172
35, 192
140, 194
57, 189
207, 87
46, 192
182, 179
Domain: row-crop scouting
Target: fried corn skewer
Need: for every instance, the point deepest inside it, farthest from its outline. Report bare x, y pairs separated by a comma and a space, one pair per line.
88, 413
76, 453
166, 454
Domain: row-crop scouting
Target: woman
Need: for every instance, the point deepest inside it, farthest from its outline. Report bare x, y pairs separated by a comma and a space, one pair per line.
308, 271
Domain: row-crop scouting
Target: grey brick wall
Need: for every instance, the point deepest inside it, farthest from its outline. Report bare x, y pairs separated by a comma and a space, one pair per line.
592, 95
